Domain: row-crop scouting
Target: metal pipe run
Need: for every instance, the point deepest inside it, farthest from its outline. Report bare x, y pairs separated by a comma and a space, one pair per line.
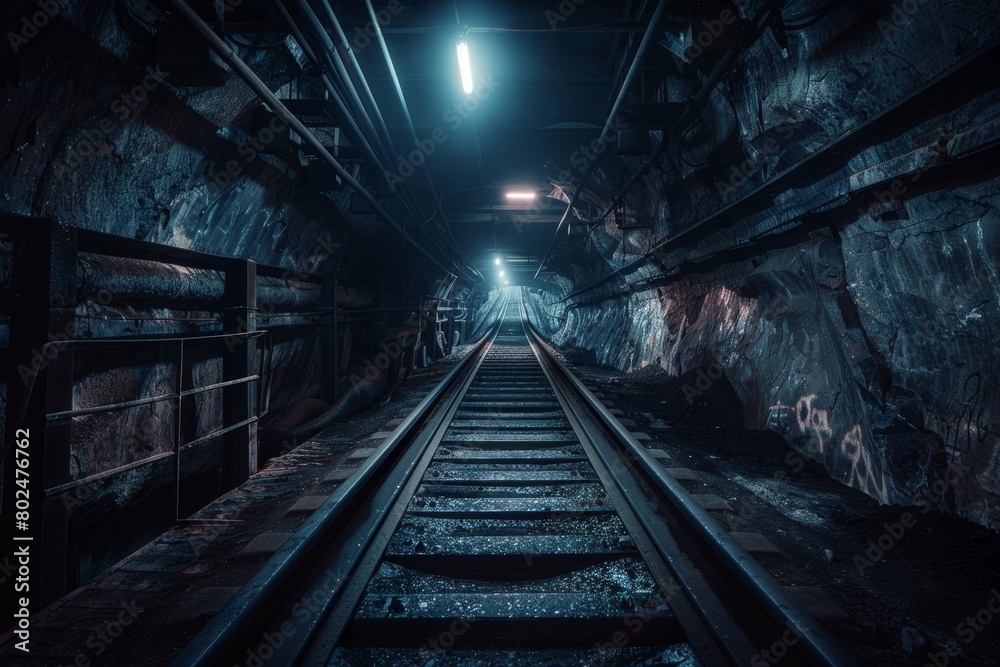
693, 107
281, 111
332, 61
760, 23
340, 53
380, 38
640, 53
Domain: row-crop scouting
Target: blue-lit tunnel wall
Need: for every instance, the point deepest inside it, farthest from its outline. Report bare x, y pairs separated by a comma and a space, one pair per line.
853, 308
97, 139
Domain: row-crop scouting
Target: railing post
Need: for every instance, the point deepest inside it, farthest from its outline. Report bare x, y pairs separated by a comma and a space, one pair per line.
328, 342
44, 306
178, 403
239, 459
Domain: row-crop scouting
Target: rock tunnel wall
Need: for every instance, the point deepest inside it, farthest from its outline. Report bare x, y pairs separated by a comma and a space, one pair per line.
810, 365
96, 135
865, 340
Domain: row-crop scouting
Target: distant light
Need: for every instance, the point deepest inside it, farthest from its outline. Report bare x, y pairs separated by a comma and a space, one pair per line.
497, 261
520, 195
506, 282
465, 66
501, 273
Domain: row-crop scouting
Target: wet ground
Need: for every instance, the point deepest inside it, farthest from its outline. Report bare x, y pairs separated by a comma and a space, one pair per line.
921, 598
149, 605
917, 585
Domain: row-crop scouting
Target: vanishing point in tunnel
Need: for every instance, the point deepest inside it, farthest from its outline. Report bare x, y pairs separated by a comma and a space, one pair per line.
456, 333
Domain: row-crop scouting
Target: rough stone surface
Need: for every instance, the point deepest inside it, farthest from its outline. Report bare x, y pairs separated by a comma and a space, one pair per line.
866, 340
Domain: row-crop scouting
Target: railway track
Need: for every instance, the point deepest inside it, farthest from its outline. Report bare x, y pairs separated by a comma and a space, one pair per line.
511, 520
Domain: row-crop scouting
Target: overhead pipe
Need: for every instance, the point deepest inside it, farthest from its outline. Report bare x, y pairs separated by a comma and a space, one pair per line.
281, 111
380, 38
709, 86
338, 99
640, 53
336, 54
565, 216
719, 70
628, 45
692, 108
343, 105
348, 54
407, 197
331, 58
373, 108
331, 89
328, 83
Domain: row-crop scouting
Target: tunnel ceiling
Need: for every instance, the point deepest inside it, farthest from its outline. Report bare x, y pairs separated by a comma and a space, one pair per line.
723, 98
544, 78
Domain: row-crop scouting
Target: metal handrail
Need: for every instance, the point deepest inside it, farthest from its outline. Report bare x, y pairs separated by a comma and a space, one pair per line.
223, 630
261, 377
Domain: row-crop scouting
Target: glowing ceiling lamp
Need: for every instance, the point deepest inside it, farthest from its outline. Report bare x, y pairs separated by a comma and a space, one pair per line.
496, 261
521, 195
465, 66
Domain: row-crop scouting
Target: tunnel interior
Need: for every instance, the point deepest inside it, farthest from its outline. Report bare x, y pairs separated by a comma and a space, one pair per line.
765, 230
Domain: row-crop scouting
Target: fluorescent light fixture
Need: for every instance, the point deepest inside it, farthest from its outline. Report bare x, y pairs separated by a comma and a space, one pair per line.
465, 66
515, 194
497, 261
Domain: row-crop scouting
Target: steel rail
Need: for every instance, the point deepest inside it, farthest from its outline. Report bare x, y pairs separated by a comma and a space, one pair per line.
814, 642
726, 604
240, 619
